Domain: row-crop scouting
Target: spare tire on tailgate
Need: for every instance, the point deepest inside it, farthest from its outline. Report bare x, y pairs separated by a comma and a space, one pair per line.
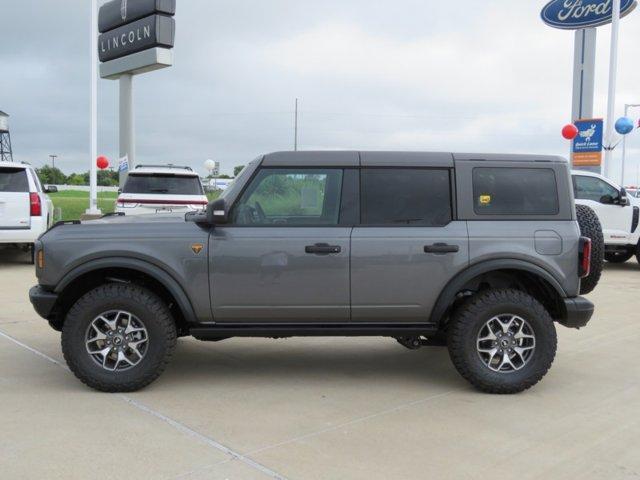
590, 227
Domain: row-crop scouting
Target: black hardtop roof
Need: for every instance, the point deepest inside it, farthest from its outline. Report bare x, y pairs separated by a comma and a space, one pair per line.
346, 158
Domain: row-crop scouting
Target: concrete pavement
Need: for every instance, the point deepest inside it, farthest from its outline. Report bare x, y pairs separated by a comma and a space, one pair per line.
322, 408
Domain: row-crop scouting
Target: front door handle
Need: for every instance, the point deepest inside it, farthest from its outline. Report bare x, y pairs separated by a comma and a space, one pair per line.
322, 249
441, 248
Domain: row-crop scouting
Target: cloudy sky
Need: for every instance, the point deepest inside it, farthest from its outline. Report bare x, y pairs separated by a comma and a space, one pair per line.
370, 74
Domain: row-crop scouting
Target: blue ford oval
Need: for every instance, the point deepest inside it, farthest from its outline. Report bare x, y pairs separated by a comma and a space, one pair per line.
576, 14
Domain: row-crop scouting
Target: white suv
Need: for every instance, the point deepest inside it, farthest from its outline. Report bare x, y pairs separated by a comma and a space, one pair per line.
25, 210
618, 212
151, 189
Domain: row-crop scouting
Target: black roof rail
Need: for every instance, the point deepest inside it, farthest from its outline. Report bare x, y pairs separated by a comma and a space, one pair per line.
169, 165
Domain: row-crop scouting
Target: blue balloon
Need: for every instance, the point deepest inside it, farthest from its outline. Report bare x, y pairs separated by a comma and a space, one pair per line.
624, 125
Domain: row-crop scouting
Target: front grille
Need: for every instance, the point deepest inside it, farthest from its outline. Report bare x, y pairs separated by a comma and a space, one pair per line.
636, 217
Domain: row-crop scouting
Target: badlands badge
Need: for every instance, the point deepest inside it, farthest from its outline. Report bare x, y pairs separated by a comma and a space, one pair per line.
197, 247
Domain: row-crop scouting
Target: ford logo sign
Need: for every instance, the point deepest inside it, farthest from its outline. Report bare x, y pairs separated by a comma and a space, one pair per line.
577, 14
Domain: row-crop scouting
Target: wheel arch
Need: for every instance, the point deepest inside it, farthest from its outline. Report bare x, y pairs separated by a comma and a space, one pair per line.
501, 273
87, 276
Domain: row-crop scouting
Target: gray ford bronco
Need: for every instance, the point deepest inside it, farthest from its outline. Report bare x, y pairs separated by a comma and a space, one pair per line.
481, 253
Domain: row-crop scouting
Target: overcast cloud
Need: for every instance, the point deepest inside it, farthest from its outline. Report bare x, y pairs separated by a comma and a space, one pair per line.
402, 75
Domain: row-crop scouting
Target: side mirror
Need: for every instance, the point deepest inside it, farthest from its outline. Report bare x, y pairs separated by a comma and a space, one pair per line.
606, 200
217, 212
51, 189
624, 199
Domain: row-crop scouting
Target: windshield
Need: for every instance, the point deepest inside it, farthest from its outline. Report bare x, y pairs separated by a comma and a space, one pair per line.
159, 183
239, 180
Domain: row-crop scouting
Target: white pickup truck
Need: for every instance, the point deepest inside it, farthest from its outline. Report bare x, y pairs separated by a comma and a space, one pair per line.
25, 210
618, 213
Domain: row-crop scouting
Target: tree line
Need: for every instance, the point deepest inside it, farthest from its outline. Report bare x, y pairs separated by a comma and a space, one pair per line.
54, 176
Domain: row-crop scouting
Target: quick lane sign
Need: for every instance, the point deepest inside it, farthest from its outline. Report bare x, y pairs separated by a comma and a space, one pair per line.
149, 32
587, 146
116, 13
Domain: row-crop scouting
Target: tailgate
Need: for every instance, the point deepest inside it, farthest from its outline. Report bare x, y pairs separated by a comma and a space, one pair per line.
15, 211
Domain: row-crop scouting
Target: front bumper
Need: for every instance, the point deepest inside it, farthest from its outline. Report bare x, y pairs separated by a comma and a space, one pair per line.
42, 301
579, 312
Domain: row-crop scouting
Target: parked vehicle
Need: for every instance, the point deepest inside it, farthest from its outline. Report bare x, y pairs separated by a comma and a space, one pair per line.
25, 209
151, 189
618, 213
633, 192
482, 253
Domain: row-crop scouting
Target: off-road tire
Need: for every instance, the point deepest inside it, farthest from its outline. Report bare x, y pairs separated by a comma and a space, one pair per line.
469, 319
148, 307
619, 256
590, 227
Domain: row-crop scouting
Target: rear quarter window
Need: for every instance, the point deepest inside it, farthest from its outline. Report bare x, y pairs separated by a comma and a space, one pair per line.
13, 180
515, 191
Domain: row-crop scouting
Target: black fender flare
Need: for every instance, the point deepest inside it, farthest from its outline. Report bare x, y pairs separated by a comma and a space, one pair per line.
448, 294
142, 266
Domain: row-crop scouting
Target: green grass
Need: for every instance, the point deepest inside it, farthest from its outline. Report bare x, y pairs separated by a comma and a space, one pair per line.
72, 204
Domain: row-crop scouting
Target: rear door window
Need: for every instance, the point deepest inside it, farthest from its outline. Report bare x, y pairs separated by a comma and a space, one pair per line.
405, 196
13, 180
159, 184
515, 191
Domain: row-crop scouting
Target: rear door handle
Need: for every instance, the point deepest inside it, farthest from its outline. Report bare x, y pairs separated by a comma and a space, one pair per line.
322, 249
441, 248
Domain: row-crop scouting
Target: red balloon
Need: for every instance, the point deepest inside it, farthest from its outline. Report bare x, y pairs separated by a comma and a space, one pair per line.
570, 131
102, 162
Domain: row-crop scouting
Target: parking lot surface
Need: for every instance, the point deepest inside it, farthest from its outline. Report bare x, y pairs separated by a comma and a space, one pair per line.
322, 408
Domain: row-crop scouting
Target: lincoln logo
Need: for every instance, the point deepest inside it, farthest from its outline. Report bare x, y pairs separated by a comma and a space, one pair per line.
123, 10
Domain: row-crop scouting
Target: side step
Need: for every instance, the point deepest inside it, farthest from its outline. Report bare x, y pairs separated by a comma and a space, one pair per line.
225, 330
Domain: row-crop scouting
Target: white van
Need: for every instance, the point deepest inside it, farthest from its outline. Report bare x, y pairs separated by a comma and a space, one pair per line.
25, 210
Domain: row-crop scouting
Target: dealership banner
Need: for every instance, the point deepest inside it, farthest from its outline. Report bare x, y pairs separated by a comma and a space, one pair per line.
587, 146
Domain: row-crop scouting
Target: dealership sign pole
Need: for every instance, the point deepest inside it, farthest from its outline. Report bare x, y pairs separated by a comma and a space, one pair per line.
93, 172
584, 16
136, 36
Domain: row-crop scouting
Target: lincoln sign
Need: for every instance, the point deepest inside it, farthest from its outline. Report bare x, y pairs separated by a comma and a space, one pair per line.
131, 26
578, 14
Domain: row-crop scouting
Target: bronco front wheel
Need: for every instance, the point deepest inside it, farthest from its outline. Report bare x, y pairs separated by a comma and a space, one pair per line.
502, 341
118, 337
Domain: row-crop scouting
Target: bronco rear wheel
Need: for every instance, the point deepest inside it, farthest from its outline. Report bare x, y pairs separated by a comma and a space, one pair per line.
502, 341
118, 337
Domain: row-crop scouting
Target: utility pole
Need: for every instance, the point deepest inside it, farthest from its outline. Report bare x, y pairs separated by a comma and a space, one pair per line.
295, 138
611, 102
627, 106
53, 160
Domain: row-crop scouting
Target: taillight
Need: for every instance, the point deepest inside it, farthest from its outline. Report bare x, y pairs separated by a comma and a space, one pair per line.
585, 257
35, 205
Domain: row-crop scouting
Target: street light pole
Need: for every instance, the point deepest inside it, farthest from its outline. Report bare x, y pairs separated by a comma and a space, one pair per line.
295, 134
611, 102
627, 106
